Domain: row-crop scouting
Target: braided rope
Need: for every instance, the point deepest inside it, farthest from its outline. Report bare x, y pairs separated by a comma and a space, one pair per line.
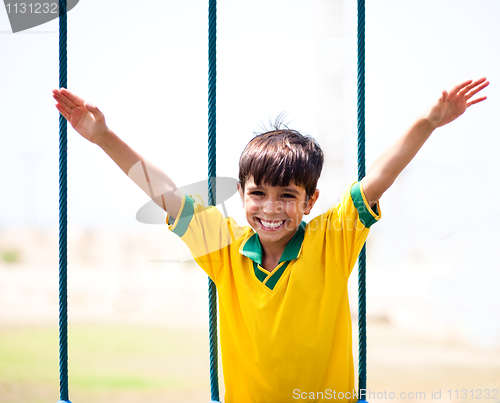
361, 175
63, 214
212, 290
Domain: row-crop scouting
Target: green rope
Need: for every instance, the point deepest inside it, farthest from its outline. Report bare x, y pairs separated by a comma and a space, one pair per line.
63, 214
361, 175
212, 290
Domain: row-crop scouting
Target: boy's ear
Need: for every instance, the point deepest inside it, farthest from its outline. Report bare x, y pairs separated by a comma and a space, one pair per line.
311, 202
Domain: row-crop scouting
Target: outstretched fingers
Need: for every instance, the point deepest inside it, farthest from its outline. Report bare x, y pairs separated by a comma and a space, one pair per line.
73, 99
460, 87
63, 112
67, 103
473, 91
67, 99
62, 106
471, 86
63, 101
475, 101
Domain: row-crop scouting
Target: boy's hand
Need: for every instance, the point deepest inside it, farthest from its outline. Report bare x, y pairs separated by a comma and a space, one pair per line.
394, 159
85, 118
454, 103
89, 122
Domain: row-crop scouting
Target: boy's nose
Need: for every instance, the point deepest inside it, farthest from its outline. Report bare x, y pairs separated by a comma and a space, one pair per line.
272, 206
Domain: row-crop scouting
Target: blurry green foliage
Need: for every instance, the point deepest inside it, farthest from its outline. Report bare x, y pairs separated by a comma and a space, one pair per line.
10, 256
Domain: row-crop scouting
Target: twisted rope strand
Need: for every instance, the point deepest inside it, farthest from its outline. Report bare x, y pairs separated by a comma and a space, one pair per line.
212, 290
63, 214
361, 175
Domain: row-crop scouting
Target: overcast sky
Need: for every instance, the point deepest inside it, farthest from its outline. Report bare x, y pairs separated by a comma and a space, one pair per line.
144, 64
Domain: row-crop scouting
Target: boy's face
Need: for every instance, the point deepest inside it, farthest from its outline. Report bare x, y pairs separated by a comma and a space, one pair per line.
275, 212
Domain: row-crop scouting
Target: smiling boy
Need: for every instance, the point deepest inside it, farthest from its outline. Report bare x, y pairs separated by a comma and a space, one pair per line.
284, 311
285, 319
278, 174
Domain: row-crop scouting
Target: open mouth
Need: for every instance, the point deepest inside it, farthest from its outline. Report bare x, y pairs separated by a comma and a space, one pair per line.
271, 225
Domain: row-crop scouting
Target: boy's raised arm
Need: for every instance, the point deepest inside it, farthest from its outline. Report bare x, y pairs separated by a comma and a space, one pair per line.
89, 121
394, 159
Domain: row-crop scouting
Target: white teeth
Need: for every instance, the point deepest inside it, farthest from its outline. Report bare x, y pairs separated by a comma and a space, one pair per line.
270, 224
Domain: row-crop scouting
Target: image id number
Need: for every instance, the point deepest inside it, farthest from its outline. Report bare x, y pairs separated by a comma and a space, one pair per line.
478, 394
32, 8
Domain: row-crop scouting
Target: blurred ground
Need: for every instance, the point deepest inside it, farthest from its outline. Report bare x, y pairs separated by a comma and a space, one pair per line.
138, 320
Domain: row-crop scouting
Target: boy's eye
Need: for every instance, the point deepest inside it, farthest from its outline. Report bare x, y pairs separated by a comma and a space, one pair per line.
257, 193
288, 195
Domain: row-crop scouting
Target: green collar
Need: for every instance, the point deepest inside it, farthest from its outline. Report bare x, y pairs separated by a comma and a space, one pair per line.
253, 249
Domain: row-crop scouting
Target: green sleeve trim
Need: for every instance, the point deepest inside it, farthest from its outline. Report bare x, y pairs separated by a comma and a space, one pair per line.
184, 217
366, 215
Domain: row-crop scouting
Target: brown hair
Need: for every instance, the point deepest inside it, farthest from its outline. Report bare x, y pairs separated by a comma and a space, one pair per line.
282, 156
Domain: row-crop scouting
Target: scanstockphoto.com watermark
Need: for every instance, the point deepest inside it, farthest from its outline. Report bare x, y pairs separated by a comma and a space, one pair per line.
434, 394
225, 187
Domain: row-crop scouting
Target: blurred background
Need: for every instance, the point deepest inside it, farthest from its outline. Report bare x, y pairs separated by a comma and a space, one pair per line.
137, 308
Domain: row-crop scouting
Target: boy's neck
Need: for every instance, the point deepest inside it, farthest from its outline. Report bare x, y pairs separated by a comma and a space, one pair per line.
271, 253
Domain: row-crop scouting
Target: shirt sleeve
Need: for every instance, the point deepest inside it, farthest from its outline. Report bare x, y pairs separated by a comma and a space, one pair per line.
347, 226
206, 232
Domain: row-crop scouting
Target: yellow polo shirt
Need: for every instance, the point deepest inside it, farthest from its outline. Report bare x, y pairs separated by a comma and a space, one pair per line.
285, 335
